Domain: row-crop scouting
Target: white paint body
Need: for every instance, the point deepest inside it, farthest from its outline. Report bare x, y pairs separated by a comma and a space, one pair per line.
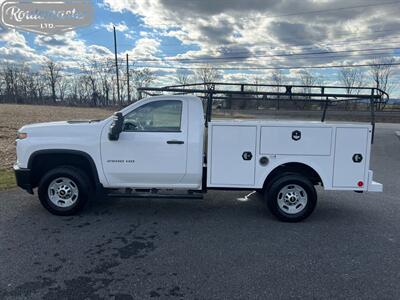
326, 148
145, 160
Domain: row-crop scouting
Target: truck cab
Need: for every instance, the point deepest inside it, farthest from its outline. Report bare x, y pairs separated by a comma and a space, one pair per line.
164, 143
160, 145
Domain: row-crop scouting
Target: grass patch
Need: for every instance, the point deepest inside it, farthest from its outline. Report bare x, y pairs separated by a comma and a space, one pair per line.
7, 179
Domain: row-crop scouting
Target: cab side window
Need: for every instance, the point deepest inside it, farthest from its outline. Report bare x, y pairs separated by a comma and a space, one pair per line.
157, 116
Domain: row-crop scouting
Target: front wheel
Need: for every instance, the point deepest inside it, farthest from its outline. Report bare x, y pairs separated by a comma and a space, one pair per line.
291, 198
64, 190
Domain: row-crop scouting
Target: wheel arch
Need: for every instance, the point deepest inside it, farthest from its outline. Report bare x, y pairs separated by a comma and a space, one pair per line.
310, 171
52, 158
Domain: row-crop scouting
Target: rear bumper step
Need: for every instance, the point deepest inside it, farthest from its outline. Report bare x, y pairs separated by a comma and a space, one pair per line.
373, 186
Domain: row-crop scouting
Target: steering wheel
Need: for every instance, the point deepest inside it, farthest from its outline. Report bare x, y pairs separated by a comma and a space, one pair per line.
139, 124
133, 125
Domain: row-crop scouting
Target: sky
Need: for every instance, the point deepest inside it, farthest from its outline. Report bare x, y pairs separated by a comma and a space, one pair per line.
244, 40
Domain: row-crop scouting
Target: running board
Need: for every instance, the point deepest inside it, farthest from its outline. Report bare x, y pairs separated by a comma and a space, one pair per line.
156, 195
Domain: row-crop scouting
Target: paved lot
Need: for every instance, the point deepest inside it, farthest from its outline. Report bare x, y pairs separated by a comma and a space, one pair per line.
217, 248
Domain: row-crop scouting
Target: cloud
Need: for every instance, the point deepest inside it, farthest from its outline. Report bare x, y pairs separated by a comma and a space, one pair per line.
99, 51
129, 36
121, 27
295, 33
70, 50
254, 30
16, 49
145, 48
253, 22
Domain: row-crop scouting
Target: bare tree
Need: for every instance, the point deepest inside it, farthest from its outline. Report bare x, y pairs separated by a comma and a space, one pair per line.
106, 81
142, 78
12, 82
92, 71
2, 86
183, 77
308, 80
73, 98
81, 89
277, 79
256, 81
94, 85
39, 81
32, 88
381, 73
52, 73
351, 79
63, 85
207, 75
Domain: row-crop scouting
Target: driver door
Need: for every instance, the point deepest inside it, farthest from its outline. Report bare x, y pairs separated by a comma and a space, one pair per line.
152, 148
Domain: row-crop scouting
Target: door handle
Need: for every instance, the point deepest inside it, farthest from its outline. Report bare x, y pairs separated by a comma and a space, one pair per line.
175, 142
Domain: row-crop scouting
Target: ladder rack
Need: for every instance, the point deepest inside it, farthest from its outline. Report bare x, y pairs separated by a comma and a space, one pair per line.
326, 95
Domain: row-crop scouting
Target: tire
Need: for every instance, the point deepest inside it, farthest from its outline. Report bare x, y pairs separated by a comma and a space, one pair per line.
291, 197
64, 191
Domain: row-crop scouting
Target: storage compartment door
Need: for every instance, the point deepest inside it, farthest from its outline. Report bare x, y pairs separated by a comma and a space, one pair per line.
349, 167
294, 140
227, 165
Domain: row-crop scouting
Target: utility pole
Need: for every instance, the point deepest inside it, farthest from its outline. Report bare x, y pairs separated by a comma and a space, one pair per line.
127, 77
116, 65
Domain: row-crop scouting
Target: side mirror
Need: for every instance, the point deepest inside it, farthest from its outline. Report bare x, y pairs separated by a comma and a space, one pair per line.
116, 127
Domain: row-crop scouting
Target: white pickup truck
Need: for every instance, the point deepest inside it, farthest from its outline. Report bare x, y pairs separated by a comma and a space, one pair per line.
162, 143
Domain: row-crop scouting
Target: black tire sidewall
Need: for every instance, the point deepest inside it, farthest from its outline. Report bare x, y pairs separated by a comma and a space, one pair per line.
272, 197
72, 173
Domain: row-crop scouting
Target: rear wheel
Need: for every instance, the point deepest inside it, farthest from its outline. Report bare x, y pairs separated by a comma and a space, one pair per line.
291, 198
64, 190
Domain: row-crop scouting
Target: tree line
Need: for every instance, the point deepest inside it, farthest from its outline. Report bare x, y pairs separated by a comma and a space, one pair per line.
96, 85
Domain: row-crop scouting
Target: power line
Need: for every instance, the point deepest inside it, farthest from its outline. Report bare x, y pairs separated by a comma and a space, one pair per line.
316, 45
361, 55
309, 55
121, 61
211, 58
275, 68
341, 42
335, 9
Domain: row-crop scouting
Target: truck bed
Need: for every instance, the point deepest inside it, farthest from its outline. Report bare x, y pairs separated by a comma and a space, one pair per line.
239, 149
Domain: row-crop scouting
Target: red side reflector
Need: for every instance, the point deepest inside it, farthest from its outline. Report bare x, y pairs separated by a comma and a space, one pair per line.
360, 184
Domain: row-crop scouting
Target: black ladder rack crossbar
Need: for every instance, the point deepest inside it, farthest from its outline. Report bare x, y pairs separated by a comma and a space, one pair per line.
320, 94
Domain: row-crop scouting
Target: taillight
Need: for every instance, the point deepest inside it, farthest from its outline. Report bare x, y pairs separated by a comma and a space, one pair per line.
360, 184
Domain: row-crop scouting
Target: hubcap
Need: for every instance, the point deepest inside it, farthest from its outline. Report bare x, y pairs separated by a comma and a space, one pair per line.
63, 192
292, 199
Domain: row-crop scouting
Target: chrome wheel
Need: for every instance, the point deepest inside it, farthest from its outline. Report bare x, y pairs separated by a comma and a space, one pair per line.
63, 192
292, 199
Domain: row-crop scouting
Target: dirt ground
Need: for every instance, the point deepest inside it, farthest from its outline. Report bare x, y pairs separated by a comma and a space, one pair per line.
13, 117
